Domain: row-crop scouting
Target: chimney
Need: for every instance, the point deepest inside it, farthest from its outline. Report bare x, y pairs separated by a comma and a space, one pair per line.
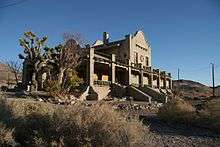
105, 38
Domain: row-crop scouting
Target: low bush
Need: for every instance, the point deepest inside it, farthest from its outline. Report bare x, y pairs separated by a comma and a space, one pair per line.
6, 137
42, 124
4, 88
210, 115
178, 110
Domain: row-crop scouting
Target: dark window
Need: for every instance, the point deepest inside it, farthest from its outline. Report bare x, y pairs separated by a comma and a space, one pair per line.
135, 57
147, 61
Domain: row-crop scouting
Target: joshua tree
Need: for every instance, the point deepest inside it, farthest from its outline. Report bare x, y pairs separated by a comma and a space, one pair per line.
34, 59
59, 61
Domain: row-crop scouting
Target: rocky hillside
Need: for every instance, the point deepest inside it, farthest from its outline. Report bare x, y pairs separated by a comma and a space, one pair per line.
191, 89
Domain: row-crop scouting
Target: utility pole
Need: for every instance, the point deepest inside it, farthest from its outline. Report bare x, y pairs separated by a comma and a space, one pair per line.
178, 74
213, 79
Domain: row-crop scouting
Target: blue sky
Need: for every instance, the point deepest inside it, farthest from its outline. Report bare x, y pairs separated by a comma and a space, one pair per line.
183, 33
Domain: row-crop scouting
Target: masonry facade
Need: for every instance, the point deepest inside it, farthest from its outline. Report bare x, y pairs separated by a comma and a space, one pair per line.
126, 62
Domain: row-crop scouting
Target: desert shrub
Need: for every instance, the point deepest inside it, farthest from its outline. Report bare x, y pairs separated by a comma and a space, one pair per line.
4, 88
63, 91
29, 118
5, 115
72, 80
178, 110
56, 91
6, 137
43, 124
210, 116
99, 125
52, 86
22, 107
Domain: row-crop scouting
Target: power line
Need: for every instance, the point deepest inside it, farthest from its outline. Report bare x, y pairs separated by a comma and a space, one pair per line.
9, 4
197, 70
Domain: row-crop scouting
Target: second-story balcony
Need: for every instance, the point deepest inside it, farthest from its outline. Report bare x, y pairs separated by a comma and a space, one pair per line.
147, 68
122, 61
136, 65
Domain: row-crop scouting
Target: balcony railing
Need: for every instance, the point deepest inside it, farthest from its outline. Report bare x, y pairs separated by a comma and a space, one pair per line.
122, 61
100, 82
147, 68
169, 75
136, 65
156, 71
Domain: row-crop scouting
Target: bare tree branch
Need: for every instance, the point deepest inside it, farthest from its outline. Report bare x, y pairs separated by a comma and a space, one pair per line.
15, 68
71, 53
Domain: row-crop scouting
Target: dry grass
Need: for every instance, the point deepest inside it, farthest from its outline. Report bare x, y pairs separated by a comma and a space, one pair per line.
6, 137
180, 111
177, 110
43, 124
210, 115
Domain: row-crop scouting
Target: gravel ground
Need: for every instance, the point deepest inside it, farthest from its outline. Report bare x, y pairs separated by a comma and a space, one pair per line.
167, 135
163, 134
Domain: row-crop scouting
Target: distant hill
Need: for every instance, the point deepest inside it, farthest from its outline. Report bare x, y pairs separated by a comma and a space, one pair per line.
192, 89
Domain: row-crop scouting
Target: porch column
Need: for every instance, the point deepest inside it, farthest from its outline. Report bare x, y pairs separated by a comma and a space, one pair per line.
159, 79
142, 76
91, 66
151, 78
170, 86
113, 68
129, 72
165, 83
165, 80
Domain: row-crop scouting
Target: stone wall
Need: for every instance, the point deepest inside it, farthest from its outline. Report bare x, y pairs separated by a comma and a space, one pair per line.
118, 91
139, 45
138, 95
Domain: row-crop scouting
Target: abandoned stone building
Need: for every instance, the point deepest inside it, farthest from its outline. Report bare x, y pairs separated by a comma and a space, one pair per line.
126, 62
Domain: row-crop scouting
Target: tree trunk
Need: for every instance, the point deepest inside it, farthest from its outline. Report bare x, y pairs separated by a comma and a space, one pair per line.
61, 75
34, 82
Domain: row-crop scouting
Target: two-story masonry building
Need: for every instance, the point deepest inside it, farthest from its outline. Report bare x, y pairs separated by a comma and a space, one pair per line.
127, 62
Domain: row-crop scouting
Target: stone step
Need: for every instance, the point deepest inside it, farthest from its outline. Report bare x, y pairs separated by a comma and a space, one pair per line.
102, 91
138, 95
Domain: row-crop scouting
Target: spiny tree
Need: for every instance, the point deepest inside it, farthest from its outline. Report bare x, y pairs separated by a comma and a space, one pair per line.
52, 55
33, 47
60, 61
